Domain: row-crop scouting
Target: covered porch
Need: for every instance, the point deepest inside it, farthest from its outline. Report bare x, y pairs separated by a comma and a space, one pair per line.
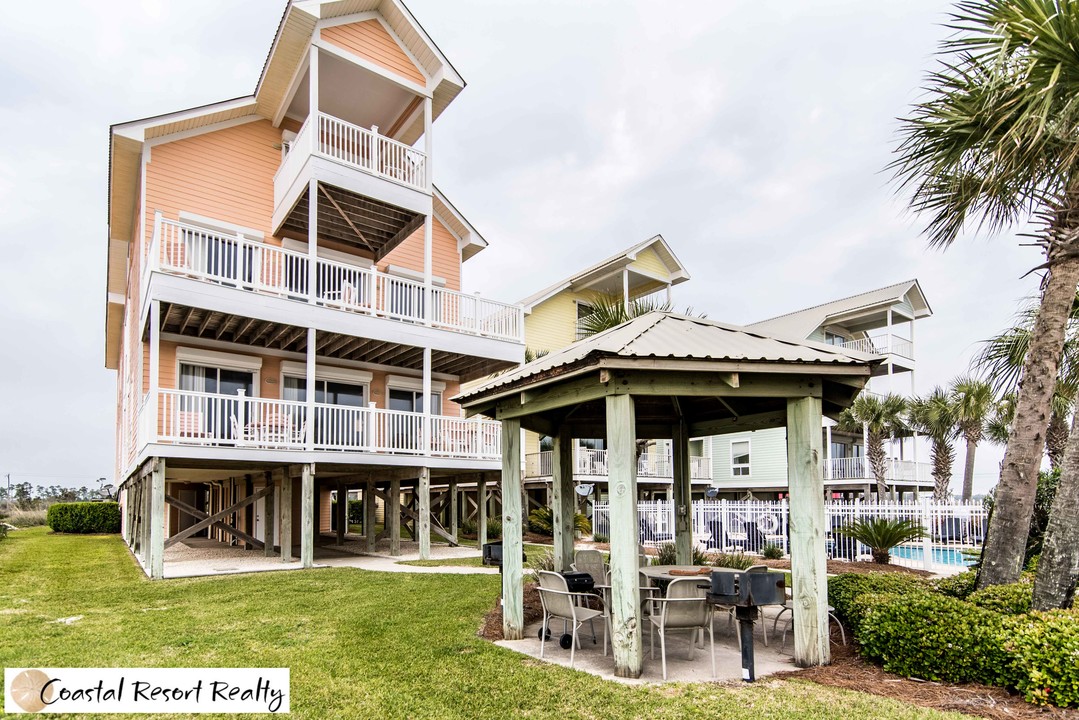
671, 377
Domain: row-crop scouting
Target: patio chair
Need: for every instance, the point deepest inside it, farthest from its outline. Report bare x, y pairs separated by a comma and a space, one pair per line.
241, 435
684, 608
789, 607
559, 602
591, 562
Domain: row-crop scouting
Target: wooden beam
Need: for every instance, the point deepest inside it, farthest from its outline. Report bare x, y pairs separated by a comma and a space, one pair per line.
454, 509
400, 236
563, 502
342, 512
424, 512
369, 510
481, 510
205, 322
243, 329
157, 520
622, 485
807, 529
392, 516
512, 533
345, 217
307, 516
187, 319
744, 423
215, 520
682, 493
286, 515
268, 517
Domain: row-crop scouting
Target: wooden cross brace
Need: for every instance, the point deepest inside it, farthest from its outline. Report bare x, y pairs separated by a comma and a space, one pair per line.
216, 520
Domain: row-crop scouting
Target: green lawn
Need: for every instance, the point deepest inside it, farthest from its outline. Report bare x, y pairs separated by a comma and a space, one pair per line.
383, 645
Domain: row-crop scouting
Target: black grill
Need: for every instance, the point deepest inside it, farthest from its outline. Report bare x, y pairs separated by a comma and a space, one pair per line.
579, 582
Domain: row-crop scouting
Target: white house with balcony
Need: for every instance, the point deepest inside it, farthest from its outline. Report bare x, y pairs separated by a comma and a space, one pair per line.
881, 322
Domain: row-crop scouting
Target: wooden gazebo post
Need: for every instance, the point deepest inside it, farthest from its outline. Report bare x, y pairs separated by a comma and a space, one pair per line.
807, 527
622, 487
513, 625
563, 503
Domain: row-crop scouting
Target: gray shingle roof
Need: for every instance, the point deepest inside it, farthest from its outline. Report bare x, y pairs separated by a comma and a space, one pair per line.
678, 337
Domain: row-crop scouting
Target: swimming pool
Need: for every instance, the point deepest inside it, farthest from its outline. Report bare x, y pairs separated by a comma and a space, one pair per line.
941, 556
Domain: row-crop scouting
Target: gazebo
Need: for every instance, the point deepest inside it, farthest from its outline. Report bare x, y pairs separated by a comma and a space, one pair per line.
668, 376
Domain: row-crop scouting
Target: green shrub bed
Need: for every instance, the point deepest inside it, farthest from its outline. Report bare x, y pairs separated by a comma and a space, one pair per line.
946, 631
84, 517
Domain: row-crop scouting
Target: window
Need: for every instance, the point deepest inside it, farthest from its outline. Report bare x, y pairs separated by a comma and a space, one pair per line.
583, 311
412, 401
326, 391
832, 338
216, 417
740, 458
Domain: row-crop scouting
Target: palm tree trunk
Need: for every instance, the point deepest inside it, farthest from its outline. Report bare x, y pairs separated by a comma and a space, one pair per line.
968, 468
1002, 558
1058, 566
875, 453
943, 456
1056, 440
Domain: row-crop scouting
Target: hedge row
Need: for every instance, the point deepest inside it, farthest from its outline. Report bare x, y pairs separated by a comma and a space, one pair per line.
84, 517
919, 630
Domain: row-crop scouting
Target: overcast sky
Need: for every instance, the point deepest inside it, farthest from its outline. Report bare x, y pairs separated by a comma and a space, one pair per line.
752, 135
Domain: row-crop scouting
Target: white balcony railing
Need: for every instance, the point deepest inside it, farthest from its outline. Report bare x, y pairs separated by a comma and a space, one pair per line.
883, 345
356, 147
253, 266
207, 419
594, 463
858, 468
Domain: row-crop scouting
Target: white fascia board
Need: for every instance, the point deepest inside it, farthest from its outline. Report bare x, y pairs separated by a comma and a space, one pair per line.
302, 457
446, 66
136, 129
195, 293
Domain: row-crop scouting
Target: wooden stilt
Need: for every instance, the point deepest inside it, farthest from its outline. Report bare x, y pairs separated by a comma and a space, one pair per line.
454, 510
807, 529
563, 504
369, 509
342, 512
512, 532
157, 520
622, 481
268, 518
307, 517
424, 523
393, 517
286, 516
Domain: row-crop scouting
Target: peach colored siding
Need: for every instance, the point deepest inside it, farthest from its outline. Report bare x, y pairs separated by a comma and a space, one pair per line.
445, 258
369, 40
225, 175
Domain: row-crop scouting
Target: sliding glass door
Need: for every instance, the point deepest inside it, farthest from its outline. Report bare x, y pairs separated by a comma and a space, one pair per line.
213, 417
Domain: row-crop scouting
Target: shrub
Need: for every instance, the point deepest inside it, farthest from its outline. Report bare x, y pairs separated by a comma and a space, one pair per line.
772, 552
494, 529
882, 534
355, 512
668, 555
3, 531
737, 561
1032, 563
934, 637
541, 522
1011, 599
468, 528
84, 517
844, 590
957, 586
600, 538
1045, 648
541, 561
26, 518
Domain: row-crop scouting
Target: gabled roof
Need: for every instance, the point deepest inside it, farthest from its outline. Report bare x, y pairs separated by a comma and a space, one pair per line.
669, 336
803, 323
470, 241
678, 272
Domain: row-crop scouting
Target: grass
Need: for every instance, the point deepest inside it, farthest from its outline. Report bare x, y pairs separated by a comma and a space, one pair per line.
386, 645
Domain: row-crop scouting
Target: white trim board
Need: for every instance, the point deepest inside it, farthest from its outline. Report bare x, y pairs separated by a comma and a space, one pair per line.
327, 372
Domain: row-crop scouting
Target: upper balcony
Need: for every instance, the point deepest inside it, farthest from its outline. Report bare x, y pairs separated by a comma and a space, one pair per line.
592, 465
237, 262
883, 345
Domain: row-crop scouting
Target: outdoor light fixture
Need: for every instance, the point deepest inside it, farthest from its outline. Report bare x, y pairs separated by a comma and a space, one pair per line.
585, 489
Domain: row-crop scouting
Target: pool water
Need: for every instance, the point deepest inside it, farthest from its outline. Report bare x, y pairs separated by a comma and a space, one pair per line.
941, 556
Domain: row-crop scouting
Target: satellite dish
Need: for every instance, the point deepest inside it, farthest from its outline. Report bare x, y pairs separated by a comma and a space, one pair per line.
584, 490
711, 493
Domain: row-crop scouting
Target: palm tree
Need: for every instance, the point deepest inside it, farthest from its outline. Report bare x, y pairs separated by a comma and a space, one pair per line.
996, 143
973, 401
881, 418
880, 535
936, 416
1001, 359
610, 311
998, 424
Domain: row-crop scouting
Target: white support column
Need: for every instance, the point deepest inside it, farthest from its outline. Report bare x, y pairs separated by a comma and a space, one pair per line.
312, 187
682, 493
828, 452
428, 223
423, 525
563, 505
512, 530
307, 516
427, 411
155, 369
622, 481
157, 520
625, 289
309, 393
669, 301
807, 529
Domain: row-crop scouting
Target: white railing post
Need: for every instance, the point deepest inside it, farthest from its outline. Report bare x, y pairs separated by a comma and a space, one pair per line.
927, 539
241, 414
371, 443
375, 149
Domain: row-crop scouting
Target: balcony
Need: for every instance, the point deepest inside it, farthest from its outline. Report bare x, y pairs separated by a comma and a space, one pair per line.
225, 421
251, 266
883, 345
593, 463
358, 161
858, 468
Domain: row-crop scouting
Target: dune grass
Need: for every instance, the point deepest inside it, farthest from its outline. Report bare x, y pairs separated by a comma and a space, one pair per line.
385, 645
